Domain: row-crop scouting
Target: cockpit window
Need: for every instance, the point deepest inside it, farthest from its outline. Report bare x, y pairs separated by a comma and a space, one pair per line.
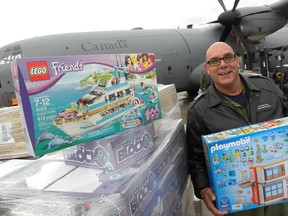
9, 53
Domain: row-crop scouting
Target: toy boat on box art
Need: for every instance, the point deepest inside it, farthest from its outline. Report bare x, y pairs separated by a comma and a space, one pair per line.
106, 102
69, 100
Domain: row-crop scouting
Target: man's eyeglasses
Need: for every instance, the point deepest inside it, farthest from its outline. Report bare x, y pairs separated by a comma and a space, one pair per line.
227, 59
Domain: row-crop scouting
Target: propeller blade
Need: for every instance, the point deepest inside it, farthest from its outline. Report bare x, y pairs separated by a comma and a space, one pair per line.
215, 21
222, 4
225, 33
235, 5
241, 38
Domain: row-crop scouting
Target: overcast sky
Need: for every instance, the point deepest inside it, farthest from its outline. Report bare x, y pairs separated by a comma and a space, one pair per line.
22, 19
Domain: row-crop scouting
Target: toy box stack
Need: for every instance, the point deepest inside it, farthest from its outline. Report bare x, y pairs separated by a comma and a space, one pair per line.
12, 139
122, 150
69, 100
99, 110
248, 166
169, 101
49, 186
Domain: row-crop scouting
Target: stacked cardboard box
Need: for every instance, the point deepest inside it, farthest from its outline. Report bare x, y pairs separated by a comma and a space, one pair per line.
113, 162
12, 140
169, 101
45, 184
122, 150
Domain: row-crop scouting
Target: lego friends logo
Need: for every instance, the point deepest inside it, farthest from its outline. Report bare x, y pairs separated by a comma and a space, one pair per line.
38, 71
63, 67
226, 146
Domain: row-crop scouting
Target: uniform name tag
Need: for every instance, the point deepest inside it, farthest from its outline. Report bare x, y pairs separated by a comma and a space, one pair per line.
264, 107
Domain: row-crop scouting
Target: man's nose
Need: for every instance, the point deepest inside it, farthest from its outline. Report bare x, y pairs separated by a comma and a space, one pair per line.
222, 62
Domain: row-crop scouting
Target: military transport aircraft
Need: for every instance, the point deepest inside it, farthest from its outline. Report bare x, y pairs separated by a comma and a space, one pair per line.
179, 53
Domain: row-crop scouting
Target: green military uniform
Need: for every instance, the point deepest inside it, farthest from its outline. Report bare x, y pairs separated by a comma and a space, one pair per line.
203, 81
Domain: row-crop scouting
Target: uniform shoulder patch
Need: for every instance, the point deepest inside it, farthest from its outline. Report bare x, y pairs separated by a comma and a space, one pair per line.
258, 76
199, 96
254, 75
196, 99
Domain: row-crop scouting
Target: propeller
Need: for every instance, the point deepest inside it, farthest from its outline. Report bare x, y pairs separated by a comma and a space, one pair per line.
232, 19
228, 19
245, 25
224, 7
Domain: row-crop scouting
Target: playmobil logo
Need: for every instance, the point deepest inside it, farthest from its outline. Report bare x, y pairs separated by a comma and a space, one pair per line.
226, 146
118, 44
62, 67
38, 71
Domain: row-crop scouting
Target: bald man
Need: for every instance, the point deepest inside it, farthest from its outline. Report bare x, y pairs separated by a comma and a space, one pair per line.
231, 101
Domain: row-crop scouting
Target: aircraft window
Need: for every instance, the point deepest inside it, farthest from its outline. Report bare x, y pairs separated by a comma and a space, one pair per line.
169, 68
9, 54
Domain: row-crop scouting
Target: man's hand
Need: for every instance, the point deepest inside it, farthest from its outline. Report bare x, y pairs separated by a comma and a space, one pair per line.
208, 197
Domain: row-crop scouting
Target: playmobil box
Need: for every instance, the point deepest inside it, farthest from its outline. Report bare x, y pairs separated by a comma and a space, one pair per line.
68, 100
130, 148
248, 166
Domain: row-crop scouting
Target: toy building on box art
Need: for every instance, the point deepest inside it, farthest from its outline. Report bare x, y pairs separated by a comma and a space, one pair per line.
68, 100
248, 166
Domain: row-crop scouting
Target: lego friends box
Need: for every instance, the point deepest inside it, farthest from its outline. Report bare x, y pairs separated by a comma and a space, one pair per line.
248, 166
68, 100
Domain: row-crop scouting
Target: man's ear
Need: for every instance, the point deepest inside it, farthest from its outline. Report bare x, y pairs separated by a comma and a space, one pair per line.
238, 61
206, 67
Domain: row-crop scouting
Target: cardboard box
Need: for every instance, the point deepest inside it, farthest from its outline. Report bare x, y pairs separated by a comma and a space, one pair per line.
248, 166
169, 190
130, 148
12, 139
68, 100
46, 183
169, 101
